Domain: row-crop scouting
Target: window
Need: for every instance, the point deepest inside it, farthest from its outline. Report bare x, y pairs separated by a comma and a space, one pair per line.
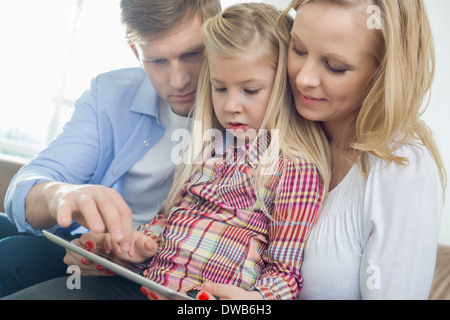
51, 49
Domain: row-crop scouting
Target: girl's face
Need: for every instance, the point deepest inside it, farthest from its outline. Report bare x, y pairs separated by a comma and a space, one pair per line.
330, 64
241, 89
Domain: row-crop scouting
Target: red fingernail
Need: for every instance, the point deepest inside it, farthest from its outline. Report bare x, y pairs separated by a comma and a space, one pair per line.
153, 295
89, 245
203, 296
100, 268
109, 272
84, 261
144, 291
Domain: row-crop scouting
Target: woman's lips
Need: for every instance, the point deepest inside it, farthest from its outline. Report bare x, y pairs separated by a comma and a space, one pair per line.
308, 100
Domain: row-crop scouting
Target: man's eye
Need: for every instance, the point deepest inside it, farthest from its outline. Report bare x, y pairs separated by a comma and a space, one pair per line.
158, 61
194, 54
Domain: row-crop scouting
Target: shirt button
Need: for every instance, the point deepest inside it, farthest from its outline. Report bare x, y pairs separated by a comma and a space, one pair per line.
146, 143
196, 201
114, 173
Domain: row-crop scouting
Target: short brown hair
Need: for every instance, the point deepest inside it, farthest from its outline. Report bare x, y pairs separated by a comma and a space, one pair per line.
143, 18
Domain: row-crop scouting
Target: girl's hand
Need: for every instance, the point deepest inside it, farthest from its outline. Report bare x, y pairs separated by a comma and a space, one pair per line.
143, 248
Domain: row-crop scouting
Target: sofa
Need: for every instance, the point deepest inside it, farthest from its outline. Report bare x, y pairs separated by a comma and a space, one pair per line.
9, 165
440, 289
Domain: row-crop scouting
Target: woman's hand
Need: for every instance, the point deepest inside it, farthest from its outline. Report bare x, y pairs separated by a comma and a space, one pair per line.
213, 290
88, 241
226, 292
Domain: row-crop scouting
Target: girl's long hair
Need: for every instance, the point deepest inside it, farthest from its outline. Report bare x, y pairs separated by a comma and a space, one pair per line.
252, 28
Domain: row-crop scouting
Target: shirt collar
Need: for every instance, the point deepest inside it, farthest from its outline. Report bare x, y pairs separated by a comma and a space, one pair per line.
146, 100
250, 153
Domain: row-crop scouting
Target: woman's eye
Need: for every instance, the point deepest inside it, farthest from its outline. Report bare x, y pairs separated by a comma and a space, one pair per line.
220, 89
298, 52
339, 71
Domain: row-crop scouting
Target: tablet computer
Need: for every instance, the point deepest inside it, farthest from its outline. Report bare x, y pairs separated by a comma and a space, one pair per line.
118, 267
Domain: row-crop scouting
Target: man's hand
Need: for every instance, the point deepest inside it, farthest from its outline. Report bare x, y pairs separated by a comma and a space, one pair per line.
97, 208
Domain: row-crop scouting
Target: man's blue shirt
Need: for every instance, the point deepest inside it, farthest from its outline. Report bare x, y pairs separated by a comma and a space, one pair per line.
113, 125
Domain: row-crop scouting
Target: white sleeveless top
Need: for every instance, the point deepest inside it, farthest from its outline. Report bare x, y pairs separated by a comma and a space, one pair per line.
377, 238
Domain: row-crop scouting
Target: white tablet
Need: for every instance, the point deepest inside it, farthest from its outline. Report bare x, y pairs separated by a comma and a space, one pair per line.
119, 268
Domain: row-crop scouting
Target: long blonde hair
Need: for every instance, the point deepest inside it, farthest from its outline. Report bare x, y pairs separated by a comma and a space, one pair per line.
390, 114
252, 27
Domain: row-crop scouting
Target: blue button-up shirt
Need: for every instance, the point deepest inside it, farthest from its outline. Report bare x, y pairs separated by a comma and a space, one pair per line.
113, 125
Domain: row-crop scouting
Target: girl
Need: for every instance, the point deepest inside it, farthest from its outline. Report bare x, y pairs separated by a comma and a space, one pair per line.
362, 69
242, 215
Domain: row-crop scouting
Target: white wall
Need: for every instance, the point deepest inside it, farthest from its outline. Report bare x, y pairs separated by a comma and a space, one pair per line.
438, 113
280, 4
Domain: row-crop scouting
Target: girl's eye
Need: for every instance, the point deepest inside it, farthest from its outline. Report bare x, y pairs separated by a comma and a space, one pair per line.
220, 89
252, 91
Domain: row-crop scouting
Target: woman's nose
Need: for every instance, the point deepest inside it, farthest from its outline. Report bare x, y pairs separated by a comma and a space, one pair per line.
308, 76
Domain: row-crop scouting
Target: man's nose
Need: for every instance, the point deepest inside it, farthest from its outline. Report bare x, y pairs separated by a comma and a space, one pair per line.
179, 75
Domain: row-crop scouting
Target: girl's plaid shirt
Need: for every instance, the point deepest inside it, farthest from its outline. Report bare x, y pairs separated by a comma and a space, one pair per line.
219, 233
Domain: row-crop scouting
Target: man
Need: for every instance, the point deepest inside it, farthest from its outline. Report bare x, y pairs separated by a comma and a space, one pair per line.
110, 169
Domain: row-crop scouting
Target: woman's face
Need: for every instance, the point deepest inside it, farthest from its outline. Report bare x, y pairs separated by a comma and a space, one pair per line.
330, 63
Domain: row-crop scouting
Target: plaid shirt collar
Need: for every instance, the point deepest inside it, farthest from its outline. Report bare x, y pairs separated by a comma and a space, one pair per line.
249, 154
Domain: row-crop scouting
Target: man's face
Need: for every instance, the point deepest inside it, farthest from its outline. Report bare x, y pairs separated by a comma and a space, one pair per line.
173, 62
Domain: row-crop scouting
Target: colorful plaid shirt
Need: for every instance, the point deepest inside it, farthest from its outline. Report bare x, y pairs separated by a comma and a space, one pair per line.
219, 232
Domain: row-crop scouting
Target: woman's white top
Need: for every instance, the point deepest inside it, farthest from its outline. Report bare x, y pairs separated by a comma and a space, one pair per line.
377, 238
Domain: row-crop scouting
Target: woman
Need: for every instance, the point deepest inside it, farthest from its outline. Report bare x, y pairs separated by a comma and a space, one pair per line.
363, 69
